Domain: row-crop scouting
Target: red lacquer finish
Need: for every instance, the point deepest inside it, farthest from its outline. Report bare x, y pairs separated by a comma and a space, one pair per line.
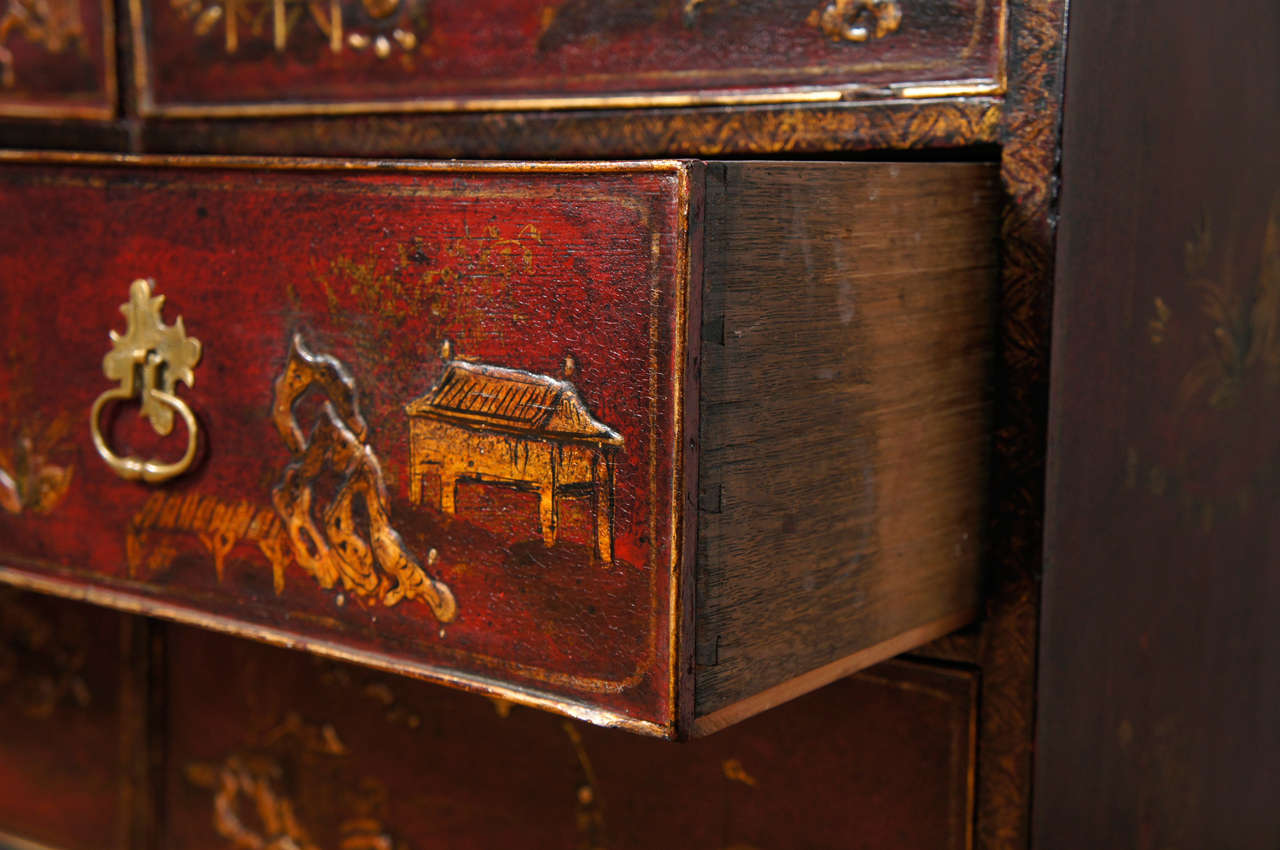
62, 732
267, 56
363, 760
381, 272
57, 58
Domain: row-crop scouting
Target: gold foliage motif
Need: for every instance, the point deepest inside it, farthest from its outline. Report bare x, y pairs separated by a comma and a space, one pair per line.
29, 480
253, 793
249, 810
589, 813
1229, 387
55, 25
376, 689
41, 665
1244, 340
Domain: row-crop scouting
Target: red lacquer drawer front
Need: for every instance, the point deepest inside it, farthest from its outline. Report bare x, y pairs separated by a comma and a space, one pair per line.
365, 760
436, 411
57, 58
280, 56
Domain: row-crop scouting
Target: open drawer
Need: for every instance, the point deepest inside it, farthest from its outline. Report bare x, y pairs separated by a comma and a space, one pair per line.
653, 444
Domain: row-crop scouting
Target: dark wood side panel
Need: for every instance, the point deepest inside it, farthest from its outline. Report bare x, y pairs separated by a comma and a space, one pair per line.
880, 760
63, 744
1159, 687
846, 345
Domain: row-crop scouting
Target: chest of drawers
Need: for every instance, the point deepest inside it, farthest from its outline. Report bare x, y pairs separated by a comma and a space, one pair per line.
848, 385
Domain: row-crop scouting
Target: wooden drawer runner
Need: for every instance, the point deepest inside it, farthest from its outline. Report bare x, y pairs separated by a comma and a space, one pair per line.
265, 57
881, 759
447, 416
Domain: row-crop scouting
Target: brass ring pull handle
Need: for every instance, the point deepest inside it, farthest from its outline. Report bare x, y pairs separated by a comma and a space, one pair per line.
148, 360
131, 468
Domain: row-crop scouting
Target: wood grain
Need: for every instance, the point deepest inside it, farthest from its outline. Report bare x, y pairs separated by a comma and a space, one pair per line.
847, 336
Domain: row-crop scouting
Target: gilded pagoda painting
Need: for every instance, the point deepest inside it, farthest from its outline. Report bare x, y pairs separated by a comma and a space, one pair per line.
495, 425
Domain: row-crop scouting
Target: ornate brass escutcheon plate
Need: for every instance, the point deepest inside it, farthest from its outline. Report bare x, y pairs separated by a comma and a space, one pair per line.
148, 361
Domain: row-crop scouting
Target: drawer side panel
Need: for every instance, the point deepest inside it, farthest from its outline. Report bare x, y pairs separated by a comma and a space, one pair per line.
846, 348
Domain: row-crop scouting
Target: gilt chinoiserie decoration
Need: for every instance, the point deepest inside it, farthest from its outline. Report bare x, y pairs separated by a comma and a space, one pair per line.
149, 360
34, 477
57, 58
385, 28
492, 424
313, 531
315, 511
380, 565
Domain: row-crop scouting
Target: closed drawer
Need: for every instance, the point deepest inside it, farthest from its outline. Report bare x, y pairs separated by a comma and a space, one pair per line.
881, 759
64, 781
237, 57
654, 444
57, 59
